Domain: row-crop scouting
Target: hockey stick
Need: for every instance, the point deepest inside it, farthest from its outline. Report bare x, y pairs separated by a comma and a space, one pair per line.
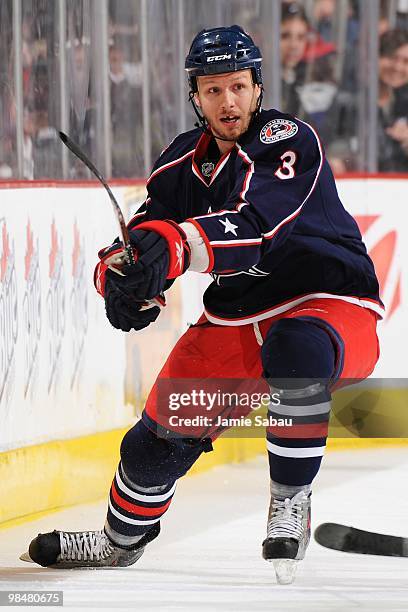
349, 539
77, 151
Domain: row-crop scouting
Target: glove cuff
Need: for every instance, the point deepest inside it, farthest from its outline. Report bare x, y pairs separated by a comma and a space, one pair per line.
179, 251
100, 277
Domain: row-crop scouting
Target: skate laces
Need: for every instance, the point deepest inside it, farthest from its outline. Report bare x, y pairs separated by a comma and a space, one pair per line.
286, 517
84, 546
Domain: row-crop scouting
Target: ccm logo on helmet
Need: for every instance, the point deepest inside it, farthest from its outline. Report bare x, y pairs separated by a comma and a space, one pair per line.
217, 58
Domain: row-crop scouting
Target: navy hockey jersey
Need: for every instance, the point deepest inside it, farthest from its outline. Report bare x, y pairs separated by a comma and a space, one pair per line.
274, 227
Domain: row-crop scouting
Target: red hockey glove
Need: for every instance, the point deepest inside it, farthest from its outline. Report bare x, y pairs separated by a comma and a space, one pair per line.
161, 254
112, 256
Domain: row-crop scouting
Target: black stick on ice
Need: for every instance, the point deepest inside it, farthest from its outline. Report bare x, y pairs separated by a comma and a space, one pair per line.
351, 540
77, 151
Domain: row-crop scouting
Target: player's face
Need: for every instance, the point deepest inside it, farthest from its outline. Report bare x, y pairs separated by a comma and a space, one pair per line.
227, 101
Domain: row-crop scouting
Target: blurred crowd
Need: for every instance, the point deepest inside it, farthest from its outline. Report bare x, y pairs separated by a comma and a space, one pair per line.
322, 76
320, 82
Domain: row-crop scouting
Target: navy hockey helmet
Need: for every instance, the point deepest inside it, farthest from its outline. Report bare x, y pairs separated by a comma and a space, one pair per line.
220, 50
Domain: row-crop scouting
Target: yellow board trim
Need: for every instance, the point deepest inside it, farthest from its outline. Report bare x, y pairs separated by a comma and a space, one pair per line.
37, 480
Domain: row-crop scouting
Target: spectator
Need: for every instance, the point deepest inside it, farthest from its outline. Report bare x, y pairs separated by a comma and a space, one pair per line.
79, 94
309, 89
325, 14
126, 119
384, 21
46, 148
293, 40
325, 106
392, 102
7, 129
6, 157
28, 152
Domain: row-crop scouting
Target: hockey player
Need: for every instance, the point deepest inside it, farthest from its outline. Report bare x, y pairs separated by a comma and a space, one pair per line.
248, 197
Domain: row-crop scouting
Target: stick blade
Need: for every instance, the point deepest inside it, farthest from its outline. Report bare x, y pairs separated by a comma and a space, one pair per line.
77, 151
349, 539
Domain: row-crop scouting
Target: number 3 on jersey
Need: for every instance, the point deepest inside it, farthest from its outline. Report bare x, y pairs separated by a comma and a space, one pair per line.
287, 170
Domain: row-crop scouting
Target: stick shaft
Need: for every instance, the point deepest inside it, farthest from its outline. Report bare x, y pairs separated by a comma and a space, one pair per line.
78, 152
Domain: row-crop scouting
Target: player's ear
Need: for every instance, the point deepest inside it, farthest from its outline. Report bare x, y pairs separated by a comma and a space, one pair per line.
197, 100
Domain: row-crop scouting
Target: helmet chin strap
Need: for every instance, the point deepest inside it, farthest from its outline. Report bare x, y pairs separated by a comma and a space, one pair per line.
202, 122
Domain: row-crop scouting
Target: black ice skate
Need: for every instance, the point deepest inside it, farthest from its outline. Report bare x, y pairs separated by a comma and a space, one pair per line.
288, 534
84, 549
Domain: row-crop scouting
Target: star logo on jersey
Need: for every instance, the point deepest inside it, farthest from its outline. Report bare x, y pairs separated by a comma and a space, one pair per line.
228, 226
277, 129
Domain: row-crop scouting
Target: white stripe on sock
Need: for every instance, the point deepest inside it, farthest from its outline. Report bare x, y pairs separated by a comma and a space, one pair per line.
284, 451
125, 519
286, 410
143, 498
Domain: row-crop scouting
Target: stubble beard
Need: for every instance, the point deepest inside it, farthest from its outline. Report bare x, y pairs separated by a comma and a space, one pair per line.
231, 138
217, 134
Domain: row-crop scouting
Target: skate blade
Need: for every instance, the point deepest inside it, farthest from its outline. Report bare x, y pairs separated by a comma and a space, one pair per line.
26, 557
285, 570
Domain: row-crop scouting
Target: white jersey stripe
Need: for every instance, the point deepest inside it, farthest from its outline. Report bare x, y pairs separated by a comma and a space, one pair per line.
240, 206
279, 309
295, 453
272, 233
216, 171
170, 165
198, 175
219, 213
220, 167
249, 173
231, 243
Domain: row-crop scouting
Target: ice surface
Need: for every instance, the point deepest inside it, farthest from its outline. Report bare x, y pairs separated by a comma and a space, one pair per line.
209, 554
